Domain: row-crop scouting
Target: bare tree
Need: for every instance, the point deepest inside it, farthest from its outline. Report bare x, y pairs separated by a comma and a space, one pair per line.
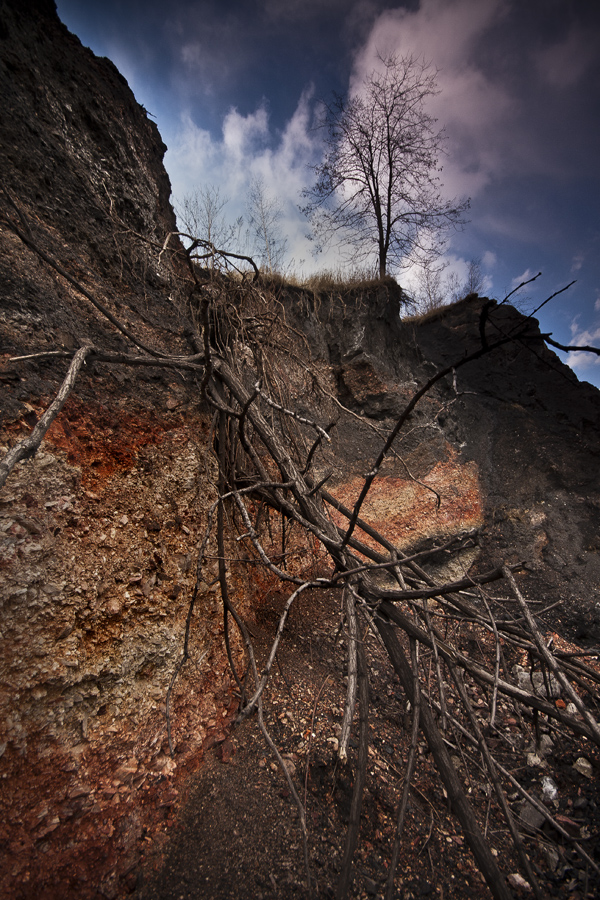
377, 188
434, 289
201, 215
474, 283
431, 286
264, 217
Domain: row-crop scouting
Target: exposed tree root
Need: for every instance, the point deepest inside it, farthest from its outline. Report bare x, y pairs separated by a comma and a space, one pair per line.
266, 452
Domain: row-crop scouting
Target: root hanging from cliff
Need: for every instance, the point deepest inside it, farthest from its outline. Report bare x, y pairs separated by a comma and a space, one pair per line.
467, 664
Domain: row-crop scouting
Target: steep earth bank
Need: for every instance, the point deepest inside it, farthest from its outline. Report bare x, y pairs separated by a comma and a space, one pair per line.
99, 532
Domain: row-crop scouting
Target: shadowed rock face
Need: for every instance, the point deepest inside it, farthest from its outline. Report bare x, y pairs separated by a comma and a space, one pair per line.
83, 164
76, 143
534, 432
513, 447
97, 533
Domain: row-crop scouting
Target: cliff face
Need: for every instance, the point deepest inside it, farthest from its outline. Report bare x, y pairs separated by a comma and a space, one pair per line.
76, 143
511, 443
98, 533
82, 166
533, 431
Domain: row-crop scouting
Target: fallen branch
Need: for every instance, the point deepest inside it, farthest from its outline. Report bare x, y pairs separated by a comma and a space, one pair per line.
360, 778
458, 799
410, 766
28, 447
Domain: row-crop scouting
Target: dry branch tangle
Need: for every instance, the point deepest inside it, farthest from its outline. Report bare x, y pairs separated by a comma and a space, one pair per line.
260, 437
296, 502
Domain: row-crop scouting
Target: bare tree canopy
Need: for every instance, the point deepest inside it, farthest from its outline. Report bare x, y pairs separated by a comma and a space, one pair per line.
434, 288
377, 188
202, 216
264, 222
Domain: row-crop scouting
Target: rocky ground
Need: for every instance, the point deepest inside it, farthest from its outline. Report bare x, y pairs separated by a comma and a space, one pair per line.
237, 833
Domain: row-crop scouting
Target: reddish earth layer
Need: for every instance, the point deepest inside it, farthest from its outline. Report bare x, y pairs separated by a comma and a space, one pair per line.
95, 595
100, 439
80, 828
444, 502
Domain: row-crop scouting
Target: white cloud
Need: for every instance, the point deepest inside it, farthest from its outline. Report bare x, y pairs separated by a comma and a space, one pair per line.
440, 30
243, 134
577, 262
473, 108
487, 285
495, 83
489, 259
248, 148
584, 336
520, 279
582, 361
511, 97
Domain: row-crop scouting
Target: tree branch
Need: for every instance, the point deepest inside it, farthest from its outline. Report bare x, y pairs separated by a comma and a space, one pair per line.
28, 447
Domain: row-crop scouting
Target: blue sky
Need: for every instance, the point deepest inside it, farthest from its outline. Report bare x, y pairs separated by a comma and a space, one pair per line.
234, 88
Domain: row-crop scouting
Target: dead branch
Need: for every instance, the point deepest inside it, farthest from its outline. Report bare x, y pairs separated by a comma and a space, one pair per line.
360, 777
492, 773
310, 736
28, 447
293, 792
460, 805
410, 766
551, 662
570, 348
262, 682
452, 655
352, 675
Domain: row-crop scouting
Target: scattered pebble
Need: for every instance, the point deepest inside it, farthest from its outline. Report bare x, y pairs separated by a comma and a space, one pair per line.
549, 789
534, 760
517, 881
584, 767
